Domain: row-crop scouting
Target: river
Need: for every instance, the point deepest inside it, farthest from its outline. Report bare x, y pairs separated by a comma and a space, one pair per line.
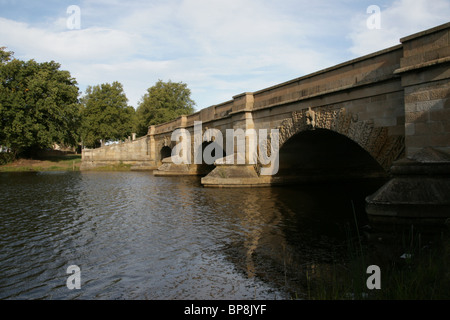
136, 236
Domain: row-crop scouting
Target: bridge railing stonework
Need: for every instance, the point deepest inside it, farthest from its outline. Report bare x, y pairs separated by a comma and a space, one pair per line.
131, 152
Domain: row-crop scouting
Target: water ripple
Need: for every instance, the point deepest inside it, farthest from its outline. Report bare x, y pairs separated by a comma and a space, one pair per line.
136, 236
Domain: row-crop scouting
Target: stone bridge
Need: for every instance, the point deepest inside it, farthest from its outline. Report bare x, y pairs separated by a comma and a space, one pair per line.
383, 114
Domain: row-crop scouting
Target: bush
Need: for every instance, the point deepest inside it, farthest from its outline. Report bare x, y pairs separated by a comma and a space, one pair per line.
6, 157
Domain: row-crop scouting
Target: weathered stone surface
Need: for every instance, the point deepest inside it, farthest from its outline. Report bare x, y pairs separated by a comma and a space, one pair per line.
407, 190
375, 140
235, 176
171, 169
420, 188
131, 152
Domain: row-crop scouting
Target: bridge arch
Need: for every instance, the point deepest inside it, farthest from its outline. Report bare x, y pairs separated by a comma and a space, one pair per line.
323, 154
375, 141
165, 152
212, 151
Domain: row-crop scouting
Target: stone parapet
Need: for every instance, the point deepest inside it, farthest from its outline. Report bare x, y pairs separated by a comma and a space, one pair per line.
425, 72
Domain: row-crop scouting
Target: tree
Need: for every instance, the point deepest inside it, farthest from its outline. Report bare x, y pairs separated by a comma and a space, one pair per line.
105, 114
38, 105
163, 102
5, 56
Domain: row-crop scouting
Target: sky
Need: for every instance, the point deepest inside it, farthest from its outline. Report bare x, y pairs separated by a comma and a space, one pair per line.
219, 48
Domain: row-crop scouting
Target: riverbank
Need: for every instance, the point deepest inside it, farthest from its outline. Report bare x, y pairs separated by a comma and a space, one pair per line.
70, 162
415, 267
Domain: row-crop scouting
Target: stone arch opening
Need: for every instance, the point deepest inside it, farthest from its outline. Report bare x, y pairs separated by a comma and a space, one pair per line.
165, 152
375, 140
214, 150
325, 155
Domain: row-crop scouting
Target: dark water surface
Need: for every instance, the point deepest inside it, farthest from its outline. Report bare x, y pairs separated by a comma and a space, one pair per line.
136, 236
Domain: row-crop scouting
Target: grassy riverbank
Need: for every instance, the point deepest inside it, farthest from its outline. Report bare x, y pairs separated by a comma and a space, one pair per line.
69, 162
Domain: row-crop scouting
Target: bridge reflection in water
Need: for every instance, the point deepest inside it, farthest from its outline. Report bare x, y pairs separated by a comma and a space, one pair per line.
284, 233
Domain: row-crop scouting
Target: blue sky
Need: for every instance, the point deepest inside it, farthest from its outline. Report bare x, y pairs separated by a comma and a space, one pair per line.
220, 48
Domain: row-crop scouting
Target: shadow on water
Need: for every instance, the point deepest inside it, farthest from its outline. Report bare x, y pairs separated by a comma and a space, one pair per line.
294, 233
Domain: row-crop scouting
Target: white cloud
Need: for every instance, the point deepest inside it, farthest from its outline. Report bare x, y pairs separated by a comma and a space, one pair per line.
402, 18
230, 46
94, 44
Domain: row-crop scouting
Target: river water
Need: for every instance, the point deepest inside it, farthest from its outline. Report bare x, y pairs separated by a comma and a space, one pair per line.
136, 236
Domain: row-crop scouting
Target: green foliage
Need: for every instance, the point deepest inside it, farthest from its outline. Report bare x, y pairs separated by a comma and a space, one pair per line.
105, 114
163, 102
5, 56
38, 105
6, 157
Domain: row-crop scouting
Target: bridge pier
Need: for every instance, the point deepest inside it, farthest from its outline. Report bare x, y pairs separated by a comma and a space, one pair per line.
419, 191
169, 168
232, 176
